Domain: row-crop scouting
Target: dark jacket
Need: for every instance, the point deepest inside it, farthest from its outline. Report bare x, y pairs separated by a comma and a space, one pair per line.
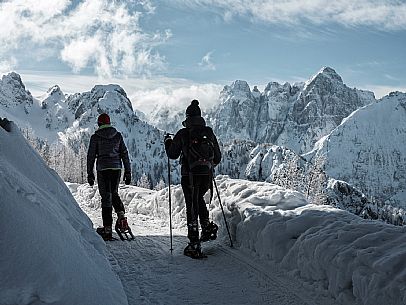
107, 145
179, 145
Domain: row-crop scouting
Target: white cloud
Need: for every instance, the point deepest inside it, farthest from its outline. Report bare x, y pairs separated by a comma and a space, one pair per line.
102, 34
388, 14
145, 94
177, 97
206, 62
7, 65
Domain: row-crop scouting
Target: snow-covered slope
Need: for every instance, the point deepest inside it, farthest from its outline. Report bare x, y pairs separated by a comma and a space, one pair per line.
50, 254
332, 252
368, 150
295, 116
71, 119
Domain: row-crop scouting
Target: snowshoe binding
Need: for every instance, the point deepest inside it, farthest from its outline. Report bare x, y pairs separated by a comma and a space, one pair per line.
194, 251
122, 228
106, 233
209, 232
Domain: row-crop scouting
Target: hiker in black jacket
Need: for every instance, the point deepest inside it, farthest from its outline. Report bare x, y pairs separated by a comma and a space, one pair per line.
199, 150
107, 146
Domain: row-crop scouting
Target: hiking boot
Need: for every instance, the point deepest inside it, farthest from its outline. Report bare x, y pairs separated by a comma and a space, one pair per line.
193, 250
105, 232
209, 232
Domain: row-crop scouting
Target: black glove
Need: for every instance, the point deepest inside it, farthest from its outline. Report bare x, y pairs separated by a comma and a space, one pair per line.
127, 178
90, 179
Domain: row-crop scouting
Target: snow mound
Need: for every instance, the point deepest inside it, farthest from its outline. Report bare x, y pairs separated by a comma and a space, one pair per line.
351, 259
49, 250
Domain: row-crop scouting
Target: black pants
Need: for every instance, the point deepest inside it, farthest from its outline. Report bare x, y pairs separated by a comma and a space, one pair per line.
194, 189
108, 181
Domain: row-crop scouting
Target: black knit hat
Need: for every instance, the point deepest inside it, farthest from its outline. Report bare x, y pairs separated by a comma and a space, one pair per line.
193, 109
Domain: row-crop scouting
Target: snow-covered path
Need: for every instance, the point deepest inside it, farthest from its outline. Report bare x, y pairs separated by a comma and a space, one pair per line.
287, 252
150, 274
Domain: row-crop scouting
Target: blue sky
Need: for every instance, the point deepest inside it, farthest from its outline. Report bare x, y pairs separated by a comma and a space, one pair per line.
172, 49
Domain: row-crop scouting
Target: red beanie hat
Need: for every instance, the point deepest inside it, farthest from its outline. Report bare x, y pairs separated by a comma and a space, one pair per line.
103, 119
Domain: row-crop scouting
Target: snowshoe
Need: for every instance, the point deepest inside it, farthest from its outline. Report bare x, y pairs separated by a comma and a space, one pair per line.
106, 233
209, 232
123, 229
194, 251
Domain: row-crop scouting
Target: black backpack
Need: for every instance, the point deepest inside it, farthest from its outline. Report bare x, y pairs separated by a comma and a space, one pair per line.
200, 153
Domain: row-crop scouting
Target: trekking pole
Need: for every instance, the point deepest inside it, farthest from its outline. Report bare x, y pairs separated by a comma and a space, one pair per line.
170, 202
222, 210
170, 199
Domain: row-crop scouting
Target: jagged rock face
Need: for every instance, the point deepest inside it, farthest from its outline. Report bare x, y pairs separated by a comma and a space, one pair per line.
13, 93
295, 116
344, 196
235, 157
235, 117
368, 150
321, 106
266, 160
57, 116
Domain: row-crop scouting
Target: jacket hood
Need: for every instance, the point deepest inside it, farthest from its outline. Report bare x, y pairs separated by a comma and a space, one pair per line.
106, 132
194, 121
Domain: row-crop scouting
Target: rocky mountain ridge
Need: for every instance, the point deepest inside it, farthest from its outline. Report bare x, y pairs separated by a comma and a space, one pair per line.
260, 132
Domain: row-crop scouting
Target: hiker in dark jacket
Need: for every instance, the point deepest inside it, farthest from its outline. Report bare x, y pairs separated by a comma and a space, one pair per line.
107, 146
195, 181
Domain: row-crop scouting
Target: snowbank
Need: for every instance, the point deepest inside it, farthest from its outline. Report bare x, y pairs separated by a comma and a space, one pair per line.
352, 260
49, 250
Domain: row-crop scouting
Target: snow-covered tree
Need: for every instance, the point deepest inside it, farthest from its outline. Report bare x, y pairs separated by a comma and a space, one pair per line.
160, 185
144, 182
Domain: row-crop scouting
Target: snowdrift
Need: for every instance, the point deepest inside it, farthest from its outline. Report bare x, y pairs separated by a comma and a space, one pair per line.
50, 253
349, 258
344, 257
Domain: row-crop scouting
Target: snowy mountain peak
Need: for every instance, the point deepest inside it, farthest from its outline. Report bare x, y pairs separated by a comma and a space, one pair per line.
325, 77
13, 92
238, 88
14, 79
54, 90
330, 73
53, 96
112, 91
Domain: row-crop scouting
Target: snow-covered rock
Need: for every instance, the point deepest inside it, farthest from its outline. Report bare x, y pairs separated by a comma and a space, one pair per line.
13, 93
50, 254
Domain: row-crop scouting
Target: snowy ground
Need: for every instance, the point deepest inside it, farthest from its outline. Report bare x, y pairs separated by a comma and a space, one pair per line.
151, 274
287, 252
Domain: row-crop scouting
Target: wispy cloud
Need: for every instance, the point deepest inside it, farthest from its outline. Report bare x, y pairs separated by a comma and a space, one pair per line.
206, 62
386, 14
102, 34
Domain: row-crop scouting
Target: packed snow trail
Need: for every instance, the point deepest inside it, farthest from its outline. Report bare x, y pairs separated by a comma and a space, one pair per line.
150, 274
